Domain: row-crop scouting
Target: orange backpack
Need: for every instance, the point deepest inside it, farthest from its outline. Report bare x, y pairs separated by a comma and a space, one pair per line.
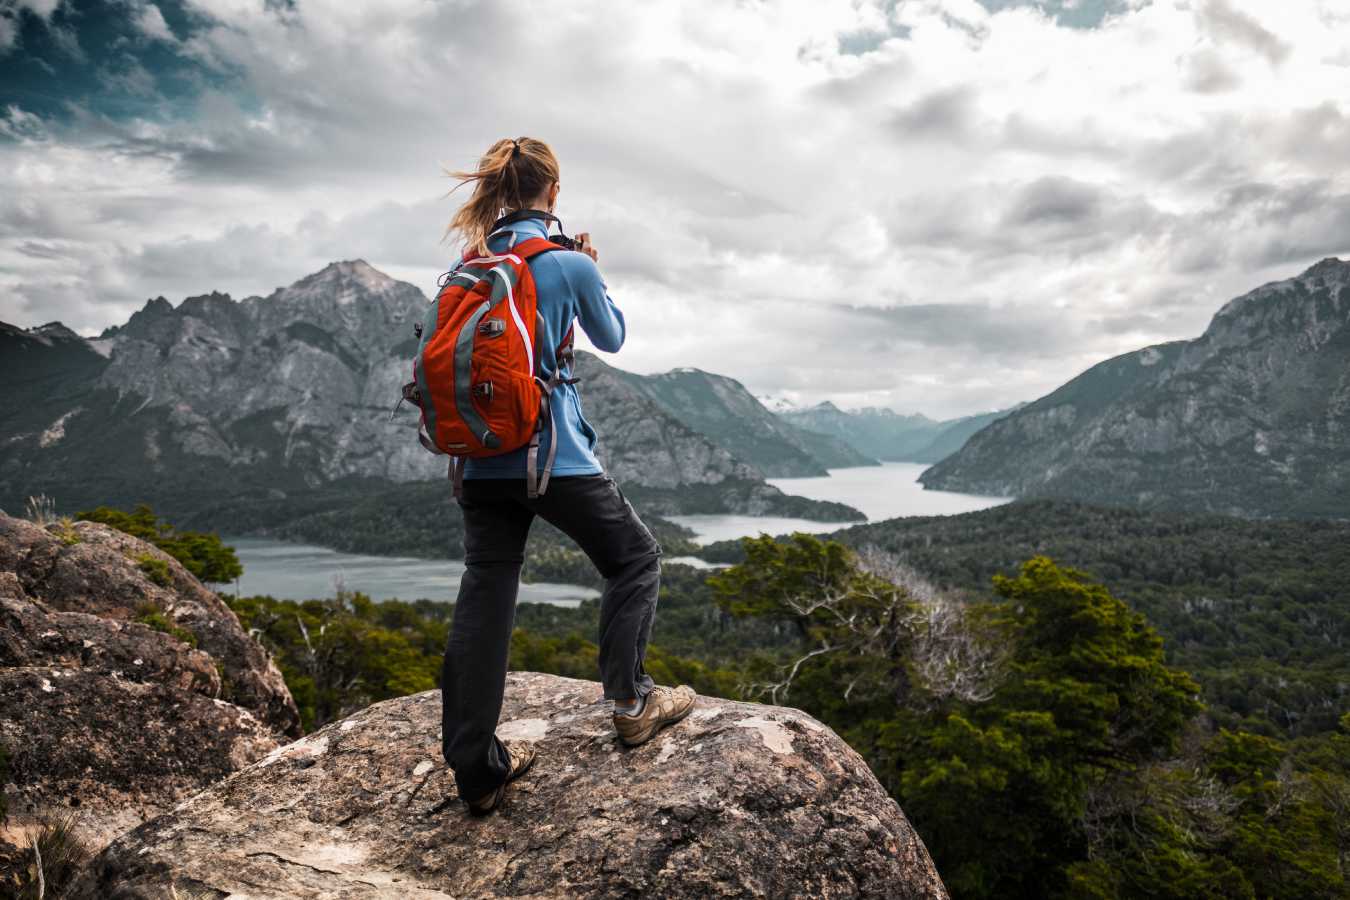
479, 375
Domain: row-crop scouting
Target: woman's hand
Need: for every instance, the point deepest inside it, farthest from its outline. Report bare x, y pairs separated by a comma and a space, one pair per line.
584, 246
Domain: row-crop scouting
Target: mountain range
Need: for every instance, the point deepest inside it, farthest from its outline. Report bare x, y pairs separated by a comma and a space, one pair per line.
885, 434
219, 399
1250, 418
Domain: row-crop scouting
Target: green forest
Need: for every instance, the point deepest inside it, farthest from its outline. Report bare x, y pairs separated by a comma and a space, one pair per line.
1257, 610
1034, 684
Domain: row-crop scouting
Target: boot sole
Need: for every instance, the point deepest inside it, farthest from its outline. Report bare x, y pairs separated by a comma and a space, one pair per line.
650, 731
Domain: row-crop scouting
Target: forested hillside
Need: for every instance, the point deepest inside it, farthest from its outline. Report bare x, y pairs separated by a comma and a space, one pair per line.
1258, 610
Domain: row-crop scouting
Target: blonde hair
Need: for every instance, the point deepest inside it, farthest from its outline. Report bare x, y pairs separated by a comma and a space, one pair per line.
510, 175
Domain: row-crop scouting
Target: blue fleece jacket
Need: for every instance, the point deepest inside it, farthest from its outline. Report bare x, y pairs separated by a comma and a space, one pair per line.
569, 287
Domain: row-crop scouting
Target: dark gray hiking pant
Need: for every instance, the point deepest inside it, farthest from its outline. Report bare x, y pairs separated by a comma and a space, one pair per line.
592, 511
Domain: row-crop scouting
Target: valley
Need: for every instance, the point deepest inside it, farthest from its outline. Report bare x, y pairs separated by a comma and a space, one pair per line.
285, 568
259, 419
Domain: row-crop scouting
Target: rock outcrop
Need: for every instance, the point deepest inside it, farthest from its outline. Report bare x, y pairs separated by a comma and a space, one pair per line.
737, 800
120, 696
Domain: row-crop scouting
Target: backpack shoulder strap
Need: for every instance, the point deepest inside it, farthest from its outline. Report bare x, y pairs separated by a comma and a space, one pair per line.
531, 247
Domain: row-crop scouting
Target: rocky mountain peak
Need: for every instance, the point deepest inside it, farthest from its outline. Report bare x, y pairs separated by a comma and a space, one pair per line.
1331, 268
1291, 301
144, 321
205, 303
49, 334
157, 306
356, 273
348, 296
777, 404
55, 331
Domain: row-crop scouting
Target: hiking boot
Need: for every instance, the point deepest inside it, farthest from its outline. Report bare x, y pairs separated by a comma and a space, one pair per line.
664, 706
521, 756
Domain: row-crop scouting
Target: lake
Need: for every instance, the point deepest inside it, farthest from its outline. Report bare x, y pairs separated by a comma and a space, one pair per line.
879, 492
300, 571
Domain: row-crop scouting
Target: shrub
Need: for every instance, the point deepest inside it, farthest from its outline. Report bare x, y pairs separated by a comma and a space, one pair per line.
65, 530
201, 553
156, 569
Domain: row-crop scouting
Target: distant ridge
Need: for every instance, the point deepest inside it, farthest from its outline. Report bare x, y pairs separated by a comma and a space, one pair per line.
885, 434
721, 408
1250, 418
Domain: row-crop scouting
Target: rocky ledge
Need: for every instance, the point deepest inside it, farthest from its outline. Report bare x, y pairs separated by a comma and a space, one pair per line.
124, 687
737, 800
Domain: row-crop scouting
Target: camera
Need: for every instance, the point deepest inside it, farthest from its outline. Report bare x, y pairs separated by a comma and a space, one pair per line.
565, 242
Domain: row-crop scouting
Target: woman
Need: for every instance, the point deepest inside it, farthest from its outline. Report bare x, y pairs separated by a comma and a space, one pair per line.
521, 177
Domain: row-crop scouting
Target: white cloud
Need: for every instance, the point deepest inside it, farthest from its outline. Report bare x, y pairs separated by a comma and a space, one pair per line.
813, 197
11, 14
1227, 22
41, 8
151, 22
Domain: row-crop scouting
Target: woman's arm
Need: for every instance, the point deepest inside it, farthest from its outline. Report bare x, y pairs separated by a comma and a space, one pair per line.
599, 317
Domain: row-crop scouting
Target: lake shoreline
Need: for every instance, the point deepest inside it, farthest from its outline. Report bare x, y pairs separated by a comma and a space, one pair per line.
270, 566
311, 570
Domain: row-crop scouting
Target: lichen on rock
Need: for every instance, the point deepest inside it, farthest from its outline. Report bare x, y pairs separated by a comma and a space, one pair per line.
106, 716
101, 575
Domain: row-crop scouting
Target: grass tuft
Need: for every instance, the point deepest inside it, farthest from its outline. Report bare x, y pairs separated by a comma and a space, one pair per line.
57, 853
149, 614
40, 510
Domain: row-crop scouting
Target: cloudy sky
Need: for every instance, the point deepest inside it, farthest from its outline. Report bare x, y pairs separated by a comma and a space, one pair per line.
943, 206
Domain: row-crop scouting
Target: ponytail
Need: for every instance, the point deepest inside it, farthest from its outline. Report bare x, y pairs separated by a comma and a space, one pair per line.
512, 174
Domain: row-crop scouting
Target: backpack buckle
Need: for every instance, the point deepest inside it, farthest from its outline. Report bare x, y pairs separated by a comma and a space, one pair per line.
409, 394
483, 389
491, 327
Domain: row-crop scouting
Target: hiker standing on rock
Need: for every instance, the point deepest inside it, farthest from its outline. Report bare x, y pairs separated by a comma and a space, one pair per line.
493, 377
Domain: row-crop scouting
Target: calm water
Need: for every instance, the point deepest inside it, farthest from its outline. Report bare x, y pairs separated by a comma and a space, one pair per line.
880, 492
300, 571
